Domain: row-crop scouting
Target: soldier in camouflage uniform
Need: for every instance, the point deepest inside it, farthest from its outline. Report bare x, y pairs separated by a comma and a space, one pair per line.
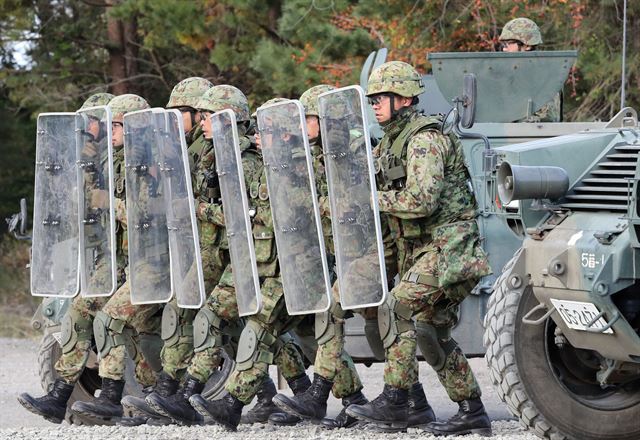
120, 325
523, 35
77, 324
218, 320
177, 323
431, 213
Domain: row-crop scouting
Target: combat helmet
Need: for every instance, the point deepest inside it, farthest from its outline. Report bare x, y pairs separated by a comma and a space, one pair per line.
309, 99
97, 99
522, 29
188, 91
269, 102
395, 77
123, 104
223, 97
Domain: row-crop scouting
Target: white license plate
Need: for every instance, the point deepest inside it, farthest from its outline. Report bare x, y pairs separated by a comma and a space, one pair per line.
578, 314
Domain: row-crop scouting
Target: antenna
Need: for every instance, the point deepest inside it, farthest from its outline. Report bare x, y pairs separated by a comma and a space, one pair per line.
624, 52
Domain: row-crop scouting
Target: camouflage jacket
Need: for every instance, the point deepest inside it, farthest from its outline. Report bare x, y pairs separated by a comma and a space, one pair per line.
120, 209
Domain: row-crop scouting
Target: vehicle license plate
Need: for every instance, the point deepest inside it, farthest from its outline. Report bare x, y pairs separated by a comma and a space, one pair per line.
578, 314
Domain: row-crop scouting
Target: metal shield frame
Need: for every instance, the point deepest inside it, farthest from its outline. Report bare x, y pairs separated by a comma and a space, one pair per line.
337, 212
87, 287
182, 267
46, 279
245, 276
279, 232
157, 117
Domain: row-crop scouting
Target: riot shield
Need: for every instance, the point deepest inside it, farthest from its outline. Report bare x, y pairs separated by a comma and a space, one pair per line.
294, 206
236, 212
362, 279
54, 258
97, 227
149, 265
184, 245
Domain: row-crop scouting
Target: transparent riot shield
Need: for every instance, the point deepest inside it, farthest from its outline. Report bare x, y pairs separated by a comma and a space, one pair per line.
149, 264
54, 258
346, 144
97, 227
184, 245
294, 206
236, 212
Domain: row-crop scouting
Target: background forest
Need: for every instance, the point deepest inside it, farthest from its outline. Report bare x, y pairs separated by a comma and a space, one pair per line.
55, 53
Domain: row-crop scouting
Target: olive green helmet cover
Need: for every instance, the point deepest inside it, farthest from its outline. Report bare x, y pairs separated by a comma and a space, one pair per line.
123, 104
269, 102
188, 92
523, 30
395, 77
309, 99
97, 100
223, 97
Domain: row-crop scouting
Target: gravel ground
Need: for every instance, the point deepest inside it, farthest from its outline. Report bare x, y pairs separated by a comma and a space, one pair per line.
18, 373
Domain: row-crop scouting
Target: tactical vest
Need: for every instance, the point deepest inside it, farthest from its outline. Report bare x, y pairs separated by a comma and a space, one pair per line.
391, 174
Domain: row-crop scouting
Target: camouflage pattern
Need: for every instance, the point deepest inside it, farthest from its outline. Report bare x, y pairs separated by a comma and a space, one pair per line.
224, 97
395, 77
187, 92
523, 30
97, 99
120, 105
309, 99
269, 102
550, 112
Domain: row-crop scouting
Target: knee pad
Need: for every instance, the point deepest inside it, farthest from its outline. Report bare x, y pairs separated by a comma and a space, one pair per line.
255, 345
207, 331
174, 328
74, 329
435, 344
108, 333
394, 318
372, 332
150, 346
327, 328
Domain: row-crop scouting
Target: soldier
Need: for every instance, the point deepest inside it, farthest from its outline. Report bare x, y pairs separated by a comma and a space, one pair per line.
523, 35
177, 323
119, 321
77, 328
218, 320
431, 213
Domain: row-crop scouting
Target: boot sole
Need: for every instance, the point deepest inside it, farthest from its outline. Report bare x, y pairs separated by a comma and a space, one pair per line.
140, 411
386, 427
34, 410
161, 411
204, 412
96, 419
483, 432
284, 406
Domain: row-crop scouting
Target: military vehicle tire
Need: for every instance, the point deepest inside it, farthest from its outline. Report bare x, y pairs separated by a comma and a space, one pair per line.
49, 351
536, 383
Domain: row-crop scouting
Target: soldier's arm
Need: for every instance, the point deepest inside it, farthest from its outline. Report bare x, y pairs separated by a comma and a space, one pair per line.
425, 174
210, 212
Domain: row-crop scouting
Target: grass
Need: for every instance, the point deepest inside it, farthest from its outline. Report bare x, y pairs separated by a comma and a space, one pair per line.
16, 303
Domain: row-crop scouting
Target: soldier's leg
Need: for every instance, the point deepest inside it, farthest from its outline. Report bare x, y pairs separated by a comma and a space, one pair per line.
77, 331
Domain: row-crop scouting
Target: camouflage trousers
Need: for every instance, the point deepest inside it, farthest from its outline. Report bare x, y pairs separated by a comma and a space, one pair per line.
139, 319
176, 357
222, 302
72, 363
274, 319
436, 306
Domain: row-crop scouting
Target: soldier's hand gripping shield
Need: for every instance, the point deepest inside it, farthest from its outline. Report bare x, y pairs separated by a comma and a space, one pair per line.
294, 206
97, 227
54, 258
357, 235
184, 244
149, 265
236, 212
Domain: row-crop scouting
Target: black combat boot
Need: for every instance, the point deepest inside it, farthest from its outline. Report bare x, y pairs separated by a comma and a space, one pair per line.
471, 418
298, 385
388, 411
264, 407
177, 406
343, 420
312, 404
106, 409
420, 412
225, 412
53, 405
140, 411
